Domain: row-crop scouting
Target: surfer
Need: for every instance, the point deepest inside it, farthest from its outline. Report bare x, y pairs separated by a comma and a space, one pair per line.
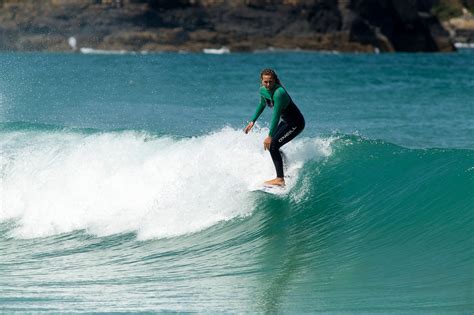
287, 121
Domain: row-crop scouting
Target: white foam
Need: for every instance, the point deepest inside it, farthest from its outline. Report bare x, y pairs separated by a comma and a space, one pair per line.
72, 42
111, 183
464, 45
87, 50
216, 51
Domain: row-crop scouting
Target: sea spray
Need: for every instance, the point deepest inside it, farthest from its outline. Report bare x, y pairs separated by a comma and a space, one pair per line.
105, 183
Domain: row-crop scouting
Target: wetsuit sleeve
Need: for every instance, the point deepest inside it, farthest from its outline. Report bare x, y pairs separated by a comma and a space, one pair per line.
280, 102
259, 110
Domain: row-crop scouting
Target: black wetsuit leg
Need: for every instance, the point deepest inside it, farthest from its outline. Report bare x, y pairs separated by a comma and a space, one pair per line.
286, 131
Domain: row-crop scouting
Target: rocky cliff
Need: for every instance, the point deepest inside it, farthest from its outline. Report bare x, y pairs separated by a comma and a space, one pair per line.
240, 25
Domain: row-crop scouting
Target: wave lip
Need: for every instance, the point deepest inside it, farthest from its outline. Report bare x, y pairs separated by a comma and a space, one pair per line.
59, 181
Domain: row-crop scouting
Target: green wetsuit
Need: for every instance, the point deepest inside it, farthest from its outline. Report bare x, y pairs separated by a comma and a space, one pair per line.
277, 98
292, 121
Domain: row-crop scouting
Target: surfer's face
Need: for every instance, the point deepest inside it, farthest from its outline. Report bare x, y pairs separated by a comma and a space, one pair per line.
268, 81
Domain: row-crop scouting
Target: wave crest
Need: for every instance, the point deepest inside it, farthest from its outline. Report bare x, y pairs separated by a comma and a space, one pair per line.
59, 181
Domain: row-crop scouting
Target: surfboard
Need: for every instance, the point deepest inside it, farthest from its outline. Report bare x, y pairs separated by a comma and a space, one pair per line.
273, 190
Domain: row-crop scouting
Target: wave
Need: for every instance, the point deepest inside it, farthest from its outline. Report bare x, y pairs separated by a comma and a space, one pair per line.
57, 181
88, 51
365, 226
216, 51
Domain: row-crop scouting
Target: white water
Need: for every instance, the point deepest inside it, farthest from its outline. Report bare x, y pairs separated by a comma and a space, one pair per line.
58, 182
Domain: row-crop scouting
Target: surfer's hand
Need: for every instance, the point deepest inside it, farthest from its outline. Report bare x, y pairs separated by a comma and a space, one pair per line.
267, 142
249, 126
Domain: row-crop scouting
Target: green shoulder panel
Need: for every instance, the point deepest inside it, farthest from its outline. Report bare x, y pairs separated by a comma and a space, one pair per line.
281, 97
278, 94
266, 93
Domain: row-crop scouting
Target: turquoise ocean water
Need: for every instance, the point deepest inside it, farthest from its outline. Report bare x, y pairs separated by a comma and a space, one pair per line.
126, 184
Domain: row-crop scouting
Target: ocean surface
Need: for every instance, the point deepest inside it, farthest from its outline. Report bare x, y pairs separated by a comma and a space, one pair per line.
126, 184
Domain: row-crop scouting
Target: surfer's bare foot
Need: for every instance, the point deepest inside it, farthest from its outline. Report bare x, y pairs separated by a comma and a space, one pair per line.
275, 182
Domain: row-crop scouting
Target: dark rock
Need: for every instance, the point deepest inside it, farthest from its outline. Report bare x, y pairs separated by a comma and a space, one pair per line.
401, 23
347, 25
325, 17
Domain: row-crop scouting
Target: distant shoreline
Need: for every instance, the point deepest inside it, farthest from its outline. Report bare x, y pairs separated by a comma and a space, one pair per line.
49, 25
91, 51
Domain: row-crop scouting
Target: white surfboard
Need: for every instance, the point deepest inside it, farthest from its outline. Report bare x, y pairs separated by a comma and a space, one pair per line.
274, 190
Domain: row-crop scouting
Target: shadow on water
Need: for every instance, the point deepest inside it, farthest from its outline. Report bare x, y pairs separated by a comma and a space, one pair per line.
280, 260
296, 232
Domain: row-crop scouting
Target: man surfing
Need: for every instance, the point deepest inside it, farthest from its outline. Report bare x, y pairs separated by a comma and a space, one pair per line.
287, 121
